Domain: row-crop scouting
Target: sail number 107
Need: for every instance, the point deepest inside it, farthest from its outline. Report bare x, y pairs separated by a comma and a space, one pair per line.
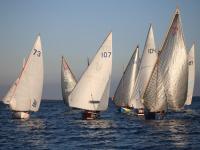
106, 54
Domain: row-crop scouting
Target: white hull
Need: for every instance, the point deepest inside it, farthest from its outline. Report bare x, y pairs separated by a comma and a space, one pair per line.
20, 115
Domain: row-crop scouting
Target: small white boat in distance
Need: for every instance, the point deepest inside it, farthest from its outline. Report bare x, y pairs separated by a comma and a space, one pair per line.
25, 94
91, 93
68, 80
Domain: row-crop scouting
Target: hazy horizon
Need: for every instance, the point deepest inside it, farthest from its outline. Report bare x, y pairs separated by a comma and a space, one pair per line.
76, 29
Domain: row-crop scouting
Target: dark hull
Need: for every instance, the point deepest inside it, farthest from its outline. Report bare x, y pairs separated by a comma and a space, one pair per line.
90, 115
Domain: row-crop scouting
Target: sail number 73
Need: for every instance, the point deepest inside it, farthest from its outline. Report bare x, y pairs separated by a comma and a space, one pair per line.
106, 54
37, 52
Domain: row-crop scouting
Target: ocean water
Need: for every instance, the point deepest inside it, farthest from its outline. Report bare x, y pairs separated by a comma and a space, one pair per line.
56, 127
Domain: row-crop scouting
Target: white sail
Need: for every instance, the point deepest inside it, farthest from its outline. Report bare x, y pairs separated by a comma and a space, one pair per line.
154, 96
173, 65
8, 96
191, 75
148, 61
125, 88
68, 80
27, 92
94, 84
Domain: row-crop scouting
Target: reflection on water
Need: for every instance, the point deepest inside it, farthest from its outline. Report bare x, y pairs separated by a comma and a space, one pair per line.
33, 132
175, 130
178, 132
55, 128
94, 124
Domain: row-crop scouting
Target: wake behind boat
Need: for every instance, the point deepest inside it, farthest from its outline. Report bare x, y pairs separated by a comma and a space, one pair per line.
25, 94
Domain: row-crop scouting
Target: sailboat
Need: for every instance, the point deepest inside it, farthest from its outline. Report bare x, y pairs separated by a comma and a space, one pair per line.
91, 93
191, 75
125, 87
25, 93
68, 80
167, 88
148, 61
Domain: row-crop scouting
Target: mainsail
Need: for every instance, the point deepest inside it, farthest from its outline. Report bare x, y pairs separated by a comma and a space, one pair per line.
68, 80
127, 82
25, 94
173, 65
92, 90
191, 75
148, 60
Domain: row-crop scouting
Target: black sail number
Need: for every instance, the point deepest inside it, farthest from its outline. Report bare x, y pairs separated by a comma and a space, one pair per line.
37, 52
106, 54
150, 51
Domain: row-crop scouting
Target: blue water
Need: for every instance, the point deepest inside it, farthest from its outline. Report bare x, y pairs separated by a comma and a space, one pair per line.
55, 127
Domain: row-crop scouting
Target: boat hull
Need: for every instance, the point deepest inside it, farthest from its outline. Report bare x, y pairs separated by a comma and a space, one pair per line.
154, 115
124, 110
20, 115
90, 115
139, 112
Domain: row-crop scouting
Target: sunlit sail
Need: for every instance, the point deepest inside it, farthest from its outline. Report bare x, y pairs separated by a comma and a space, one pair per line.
91, 93
25, 94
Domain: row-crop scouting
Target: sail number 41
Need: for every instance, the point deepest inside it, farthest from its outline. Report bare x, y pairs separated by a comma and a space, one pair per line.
105, 54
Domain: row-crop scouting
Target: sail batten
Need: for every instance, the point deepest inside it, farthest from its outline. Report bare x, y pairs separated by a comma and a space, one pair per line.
94, 82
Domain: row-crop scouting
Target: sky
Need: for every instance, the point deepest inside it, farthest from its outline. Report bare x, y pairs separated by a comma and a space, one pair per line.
77, 28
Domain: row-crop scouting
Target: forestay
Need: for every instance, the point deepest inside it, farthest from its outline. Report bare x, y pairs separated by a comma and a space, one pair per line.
92, 90
127, 82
